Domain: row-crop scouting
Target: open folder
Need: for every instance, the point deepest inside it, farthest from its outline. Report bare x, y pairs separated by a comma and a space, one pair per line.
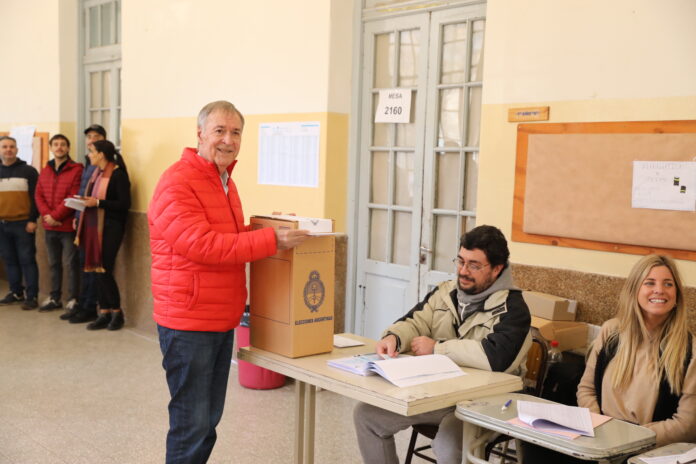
558, 419
403, 371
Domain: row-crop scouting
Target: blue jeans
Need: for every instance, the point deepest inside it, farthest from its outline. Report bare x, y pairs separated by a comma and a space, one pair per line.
18, 252
197, 366
61, 249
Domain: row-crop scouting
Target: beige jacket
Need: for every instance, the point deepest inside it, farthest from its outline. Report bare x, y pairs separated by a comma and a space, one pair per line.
495, 338
637, 402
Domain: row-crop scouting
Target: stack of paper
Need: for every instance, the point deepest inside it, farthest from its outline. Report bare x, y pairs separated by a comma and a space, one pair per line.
359, 364
403, 371
313, 225
687, 458
558, 419
75, 203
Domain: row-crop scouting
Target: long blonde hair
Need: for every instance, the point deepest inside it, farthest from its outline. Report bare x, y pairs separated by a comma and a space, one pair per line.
670, 355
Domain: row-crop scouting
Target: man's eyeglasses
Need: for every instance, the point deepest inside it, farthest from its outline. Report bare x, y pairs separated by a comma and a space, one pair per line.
472, 266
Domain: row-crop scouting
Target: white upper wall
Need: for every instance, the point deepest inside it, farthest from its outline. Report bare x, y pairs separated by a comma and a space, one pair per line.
266, 56
29, 86
541, 50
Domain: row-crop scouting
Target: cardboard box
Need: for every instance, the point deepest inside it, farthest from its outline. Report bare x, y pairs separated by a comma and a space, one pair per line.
292, 295
570, 335
550, 307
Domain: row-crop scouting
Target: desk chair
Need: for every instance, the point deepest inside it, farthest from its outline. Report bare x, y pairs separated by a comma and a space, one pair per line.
537, 358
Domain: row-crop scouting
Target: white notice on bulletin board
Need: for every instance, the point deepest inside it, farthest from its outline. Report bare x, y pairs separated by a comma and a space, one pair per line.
289, 154
664, 185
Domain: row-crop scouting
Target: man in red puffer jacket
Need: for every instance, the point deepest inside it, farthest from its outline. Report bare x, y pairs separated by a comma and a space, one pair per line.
200, 247
59, 179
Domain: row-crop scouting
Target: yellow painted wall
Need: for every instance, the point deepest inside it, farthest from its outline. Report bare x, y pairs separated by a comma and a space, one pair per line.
38, 50
623, 60
277, 61
152, 145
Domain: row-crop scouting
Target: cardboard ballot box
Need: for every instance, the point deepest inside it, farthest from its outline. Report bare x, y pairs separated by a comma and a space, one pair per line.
292, 294
570, 335
550, 307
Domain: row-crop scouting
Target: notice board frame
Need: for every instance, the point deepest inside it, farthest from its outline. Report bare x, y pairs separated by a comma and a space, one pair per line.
524, 131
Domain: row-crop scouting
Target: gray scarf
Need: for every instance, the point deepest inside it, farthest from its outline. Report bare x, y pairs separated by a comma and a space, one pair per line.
468, 303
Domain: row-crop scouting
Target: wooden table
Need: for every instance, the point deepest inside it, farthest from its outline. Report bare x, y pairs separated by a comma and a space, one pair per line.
312, 371
613, 440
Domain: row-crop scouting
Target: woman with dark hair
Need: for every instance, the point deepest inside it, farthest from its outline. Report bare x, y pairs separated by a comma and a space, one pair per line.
641, 367
102, 226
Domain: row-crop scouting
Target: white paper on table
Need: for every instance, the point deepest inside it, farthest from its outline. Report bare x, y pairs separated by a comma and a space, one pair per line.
555, 417
669, 185
671, 459
24, 135
688, 456
415, 370
345, 342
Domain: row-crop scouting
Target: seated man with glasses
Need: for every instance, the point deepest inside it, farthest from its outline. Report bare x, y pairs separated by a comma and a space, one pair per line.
479, 320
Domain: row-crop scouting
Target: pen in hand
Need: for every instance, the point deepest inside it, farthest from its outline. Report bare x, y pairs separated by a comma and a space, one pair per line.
506, 405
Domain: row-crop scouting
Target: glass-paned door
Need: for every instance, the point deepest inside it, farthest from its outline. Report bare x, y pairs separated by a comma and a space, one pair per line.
452, 140
101, 60
392, 156
417, 180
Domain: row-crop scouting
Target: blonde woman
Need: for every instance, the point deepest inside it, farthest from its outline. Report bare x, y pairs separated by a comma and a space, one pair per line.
641, 367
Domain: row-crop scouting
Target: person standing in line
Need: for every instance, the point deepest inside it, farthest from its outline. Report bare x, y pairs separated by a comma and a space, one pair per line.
102, 227
200, 247
59, 179
18, 215
87, 309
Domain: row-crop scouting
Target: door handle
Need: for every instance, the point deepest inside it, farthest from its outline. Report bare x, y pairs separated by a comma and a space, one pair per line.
425, 249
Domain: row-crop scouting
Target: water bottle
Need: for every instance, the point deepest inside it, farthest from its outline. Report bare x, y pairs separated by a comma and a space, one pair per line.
555, 355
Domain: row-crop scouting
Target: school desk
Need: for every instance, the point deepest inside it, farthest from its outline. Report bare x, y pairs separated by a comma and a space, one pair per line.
311, 372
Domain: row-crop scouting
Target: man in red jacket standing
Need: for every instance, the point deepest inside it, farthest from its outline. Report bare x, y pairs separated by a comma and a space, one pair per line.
200, 247
59, 179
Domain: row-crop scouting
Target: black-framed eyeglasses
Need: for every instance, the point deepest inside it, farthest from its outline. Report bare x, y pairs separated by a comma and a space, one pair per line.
473, 266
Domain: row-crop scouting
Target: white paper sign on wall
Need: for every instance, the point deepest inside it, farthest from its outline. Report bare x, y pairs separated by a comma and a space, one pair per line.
394, 106
667, 185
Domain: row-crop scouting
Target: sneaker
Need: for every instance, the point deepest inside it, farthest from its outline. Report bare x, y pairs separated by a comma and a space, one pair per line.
11, 298
30, 303
50, 305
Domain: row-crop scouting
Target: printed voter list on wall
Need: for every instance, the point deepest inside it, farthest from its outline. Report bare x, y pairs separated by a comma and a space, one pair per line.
289, 153
664, 185
25, 142
394, 106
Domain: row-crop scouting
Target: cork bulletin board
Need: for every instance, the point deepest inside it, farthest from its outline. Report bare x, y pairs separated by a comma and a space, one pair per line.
573, 186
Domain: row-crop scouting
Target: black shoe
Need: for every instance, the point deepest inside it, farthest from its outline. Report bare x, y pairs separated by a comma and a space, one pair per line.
102, 322
70, 313
50, 305
11, 298
117, 320
83, 315
30, 303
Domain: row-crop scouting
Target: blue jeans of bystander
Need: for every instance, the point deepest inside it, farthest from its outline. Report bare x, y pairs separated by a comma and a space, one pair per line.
197, 365
18, 252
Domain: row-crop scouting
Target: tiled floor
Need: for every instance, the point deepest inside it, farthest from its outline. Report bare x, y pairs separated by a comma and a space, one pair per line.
68, 395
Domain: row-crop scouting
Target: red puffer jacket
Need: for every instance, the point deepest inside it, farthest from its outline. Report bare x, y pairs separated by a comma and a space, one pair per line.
200, 247
52, 188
